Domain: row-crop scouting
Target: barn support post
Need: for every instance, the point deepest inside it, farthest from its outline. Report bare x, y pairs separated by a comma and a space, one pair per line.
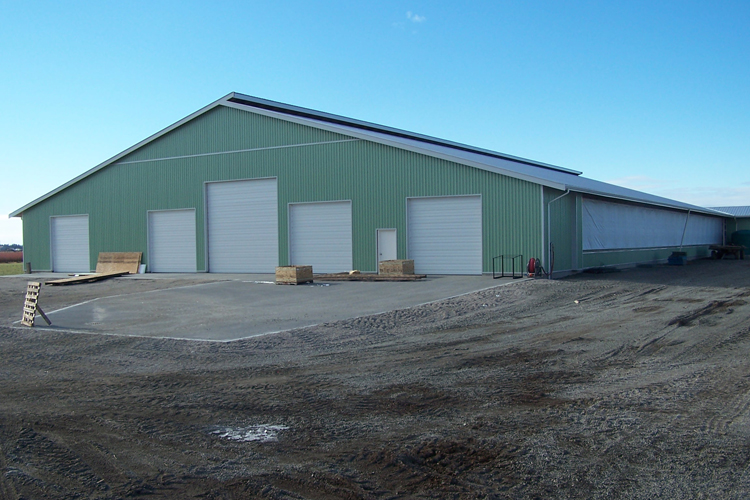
549, 233
684, 229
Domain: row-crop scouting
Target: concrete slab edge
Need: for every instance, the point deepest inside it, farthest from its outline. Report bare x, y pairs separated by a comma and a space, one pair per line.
63, 330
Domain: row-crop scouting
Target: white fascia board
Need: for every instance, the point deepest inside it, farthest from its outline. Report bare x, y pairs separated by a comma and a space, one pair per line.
112, 160
364, 135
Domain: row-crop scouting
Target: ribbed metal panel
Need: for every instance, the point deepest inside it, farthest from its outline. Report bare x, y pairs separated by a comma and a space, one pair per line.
445, 234
242, 226
70, 244
563, 228
743, 211
321, 236
171, 241
227, 129
377, 178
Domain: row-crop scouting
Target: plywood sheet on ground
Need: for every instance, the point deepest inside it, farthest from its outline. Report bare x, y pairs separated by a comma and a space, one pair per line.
86, 278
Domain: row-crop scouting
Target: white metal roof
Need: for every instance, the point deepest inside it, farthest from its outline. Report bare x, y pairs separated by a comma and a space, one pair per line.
735, 211
521, 168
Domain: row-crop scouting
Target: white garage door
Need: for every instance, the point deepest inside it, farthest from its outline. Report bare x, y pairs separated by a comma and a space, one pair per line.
243, 226
69, 236
171, 241
321, 236
445, 234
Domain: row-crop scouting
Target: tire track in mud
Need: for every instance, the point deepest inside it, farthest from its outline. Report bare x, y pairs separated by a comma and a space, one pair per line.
714, 307
732, 413
504, 394
37, 462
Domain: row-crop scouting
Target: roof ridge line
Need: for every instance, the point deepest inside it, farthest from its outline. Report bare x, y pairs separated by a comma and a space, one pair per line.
283, 108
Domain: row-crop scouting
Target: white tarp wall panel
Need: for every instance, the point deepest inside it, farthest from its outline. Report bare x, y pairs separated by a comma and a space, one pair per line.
704, 230
613, 226
171, 241
243, 226
69, 242
320, 235
444, 234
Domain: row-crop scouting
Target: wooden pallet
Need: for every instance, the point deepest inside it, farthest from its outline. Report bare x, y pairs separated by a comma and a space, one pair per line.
31, 304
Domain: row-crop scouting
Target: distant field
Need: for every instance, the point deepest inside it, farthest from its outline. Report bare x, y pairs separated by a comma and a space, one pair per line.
11, 257
11, 268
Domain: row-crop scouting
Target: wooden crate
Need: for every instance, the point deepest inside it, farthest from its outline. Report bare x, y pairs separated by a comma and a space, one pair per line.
396, 267
293, 275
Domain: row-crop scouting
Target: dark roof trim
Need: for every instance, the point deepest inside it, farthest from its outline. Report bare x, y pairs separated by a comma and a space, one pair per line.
287, 109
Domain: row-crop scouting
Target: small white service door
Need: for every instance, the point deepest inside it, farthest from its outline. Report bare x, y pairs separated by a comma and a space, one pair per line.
386, 244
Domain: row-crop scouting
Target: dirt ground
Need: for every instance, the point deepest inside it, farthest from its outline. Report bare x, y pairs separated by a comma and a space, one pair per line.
625, 385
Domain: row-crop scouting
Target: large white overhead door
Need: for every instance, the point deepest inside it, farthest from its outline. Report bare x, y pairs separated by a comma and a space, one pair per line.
69, 243
171, 241
321, 236
243, 226
445, 234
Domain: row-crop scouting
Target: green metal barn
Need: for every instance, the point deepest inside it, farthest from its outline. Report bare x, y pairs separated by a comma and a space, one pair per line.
246, 184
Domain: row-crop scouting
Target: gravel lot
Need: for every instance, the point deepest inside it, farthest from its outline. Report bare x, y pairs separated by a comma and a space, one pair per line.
625, 385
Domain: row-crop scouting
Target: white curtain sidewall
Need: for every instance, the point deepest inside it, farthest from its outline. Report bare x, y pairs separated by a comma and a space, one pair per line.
614, 226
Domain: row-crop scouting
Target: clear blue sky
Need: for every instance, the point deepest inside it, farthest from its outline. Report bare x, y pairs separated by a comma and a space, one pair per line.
649, 95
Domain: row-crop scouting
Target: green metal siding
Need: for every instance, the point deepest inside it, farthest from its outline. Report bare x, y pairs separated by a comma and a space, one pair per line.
227, 129
563, 228
377, 178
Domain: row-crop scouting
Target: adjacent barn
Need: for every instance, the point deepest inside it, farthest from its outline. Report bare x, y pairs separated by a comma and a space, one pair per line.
740, 217
246, 184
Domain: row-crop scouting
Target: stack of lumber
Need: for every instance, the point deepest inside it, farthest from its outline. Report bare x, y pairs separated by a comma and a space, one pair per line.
294, 275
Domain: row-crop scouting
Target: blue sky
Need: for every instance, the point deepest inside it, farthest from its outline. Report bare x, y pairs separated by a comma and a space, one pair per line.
650, 95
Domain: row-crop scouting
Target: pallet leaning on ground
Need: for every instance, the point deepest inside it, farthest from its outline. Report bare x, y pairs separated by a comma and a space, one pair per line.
31, 304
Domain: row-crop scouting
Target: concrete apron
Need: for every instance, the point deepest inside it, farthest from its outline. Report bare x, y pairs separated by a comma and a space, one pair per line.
251, 305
